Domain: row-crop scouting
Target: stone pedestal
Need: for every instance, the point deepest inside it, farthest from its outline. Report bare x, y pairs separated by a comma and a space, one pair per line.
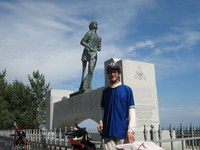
53, 97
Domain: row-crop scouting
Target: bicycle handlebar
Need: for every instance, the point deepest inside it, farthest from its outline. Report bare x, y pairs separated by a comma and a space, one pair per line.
77, 133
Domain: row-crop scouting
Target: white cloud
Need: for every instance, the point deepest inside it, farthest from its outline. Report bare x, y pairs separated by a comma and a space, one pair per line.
141, 45
172, 53
181, 40
45, 35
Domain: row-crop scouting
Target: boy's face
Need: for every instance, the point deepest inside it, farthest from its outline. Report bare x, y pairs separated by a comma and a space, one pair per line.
113, 76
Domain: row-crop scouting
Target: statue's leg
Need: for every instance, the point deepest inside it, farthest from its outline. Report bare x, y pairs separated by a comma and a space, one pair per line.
91, 66
84, 64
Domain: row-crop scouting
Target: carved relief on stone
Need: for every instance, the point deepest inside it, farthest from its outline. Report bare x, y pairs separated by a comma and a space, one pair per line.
140, 74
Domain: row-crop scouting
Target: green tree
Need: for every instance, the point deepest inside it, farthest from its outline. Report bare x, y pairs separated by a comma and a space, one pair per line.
23, 103
6, 116
39, 91
4, 87
19, 104
3, 83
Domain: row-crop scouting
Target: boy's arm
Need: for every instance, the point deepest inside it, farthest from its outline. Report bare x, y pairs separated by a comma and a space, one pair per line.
132, 119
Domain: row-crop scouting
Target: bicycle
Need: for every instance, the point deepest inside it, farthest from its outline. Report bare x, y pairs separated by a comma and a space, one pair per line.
84, 142
19, 139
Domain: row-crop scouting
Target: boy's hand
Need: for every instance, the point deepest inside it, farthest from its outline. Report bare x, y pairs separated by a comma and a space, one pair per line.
100, 127
130, 137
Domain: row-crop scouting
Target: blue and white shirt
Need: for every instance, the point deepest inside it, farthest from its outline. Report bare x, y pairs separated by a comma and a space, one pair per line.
116, 102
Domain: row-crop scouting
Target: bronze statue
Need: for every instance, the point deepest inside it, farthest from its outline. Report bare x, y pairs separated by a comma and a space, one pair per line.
92, 43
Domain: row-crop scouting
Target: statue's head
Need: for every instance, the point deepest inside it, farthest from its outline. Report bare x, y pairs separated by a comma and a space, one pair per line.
93, 25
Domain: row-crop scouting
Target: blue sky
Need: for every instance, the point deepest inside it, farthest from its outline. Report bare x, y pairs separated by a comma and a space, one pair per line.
45, 35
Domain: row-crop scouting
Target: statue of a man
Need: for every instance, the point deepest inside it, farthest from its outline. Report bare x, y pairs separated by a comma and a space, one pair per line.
92, 43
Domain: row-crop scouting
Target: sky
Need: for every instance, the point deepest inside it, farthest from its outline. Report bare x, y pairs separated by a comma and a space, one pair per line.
45, 35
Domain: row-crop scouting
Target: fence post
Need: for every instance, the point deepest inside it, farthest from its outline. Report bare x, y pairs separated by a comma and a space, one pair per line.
11, 142
192, 134
36, 135
60, 136
55, 136
4, 137
39, 135
182, 135
153, 133
188, 135
196, 135
44, 145
145, 133
65, 140
31, 134
160, 134
171, 135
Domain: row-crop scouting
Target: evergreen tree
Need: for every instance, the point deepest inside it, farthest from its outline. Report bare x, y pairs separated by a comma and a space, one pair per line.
39, 91
22, 103
6, 116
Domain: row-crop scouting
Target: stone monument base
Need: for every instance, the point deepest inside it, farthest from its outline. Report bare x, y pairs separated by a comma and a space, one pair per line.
63, 108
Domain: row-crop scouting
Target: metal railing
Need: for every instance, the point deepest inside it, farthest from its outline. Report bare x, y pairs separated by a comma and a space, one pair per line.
181, 138
41, 140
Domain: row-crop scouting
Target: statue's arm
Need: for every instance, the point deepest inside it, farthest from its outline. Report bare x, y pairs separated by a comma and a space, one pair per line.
84, 41
99, 45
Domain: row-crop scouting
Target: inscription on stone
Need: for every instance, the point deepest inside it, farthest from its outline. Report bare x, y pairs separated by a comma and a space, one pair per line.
146, 108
